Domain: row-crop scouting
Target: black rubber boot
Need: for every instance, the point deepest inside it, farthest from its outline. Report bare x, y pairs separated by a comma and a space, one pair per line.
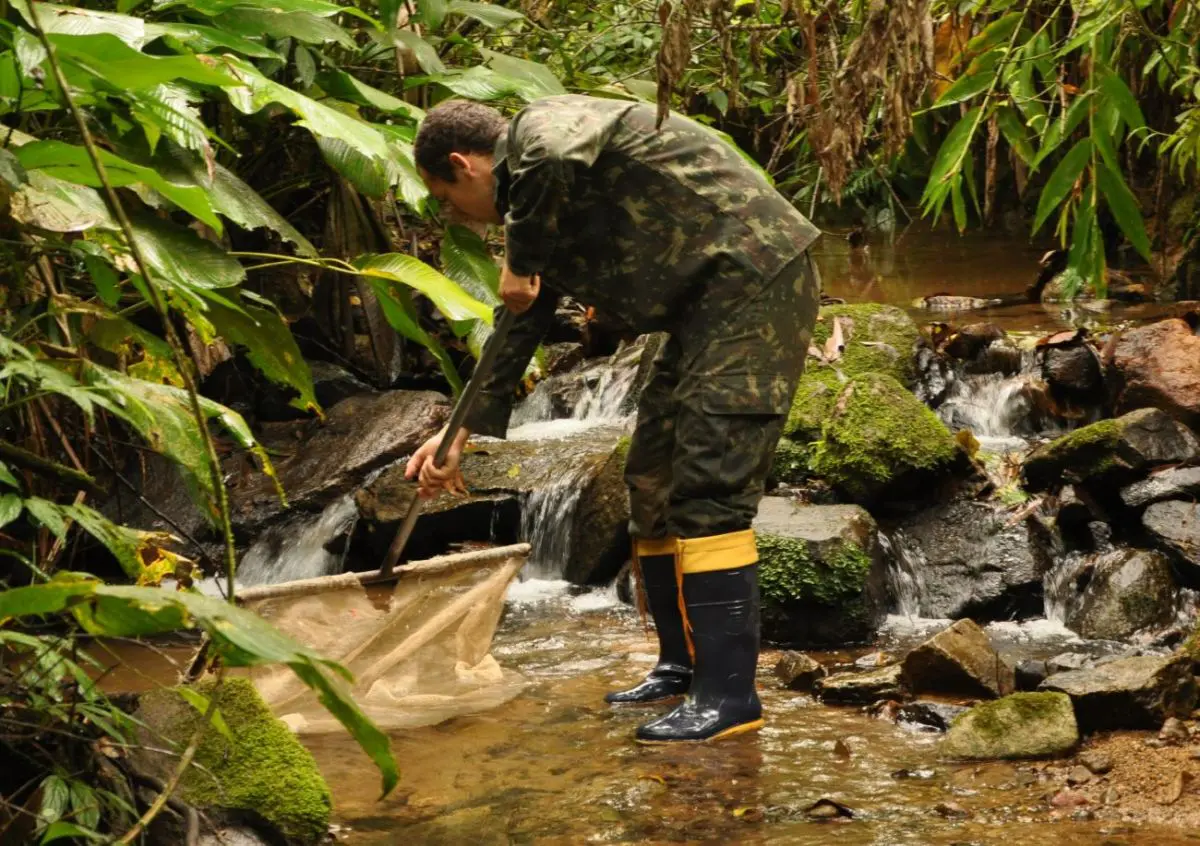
672, 675
722, 608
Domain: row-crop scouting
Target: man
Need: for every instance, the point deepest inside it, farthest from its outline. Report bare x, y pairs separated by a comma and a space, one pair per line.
672, 231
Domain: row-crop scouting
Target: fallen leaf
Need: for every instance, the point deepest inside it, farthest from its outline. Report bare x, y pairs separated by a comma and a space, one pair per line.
1178, 787
836, 344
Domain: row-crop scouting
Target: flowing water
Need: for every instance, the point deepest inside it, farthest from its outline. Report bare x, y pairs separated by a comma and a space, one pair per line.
291, 551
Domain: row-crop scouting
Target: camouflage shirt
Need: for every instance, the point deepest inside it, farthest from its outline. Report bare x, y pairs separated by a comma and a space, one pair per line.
638, 223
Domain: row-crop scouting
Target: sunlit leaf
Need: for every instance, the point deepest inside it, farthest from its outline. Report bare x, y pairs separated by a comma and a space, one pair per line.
488, 14
478, 83
126, 545
979, 78
56, 799
181, 259
343, 85
66, 20
366, 173
47, 514
107, 57
7, 478
201, 703
1062, 180
56, 205
450, 299
536, 80
302, 26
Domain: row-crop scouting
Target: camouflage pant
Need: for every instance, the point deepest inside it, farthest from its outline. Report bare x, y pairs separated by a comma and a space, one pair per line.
713, 410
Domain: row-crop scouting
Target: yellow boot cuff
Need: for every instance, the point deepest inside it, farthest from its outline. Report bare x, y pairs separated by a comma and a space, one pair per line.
718, 552
655, 546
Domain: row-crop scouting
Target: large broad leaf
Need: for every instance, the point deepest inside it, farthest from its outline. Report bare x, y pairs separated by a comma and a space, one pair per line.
451, 300
425, 55
488, 14
302, 26
195, 38
214, 8
257, 91
181, 259
467, 260
401, 314
269, 345
402, 171
479, 83
536, 80
343, 85
108, 58
167, 110
54, 205
366, 173
1062, 180
1124, 207
127, 545
71, 163
65, 20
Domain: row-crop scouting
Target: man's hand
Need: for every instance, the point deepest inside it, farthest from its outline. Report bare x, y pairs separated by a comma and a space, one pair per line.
518, 292
432, 480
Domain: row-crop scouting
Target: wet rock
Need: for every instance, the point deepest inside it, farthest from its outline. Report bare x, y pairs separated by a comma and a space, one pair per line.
935, 376
1111, 451
360, 434
971, 340
1157, 366
1097, 763
266, 771
882, 446
1169, 483
563, 357
571, 488
232, 836
1071, 368
1077, 509
974, 562
1030, 673
877, 339
1175, 525
798, 671
1133, 693
1067, 661
1024, 725
953, 303
935, 715
1174, 732
1068, 799
1128, 590
1079, 775
821, 573
861, 688
959, 660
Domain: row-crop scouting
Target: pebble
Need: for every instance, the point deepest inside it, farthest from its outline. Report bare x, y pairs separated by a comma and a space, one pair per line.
1097, 762
1111, 796
1068, 799
1083, 815
1025, 778
1079, 775
1174, 731
950, 809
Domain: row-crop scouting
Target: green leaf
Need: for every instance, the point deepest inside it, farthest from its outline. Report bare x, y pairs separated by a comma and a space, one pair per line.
978, 78
124, 543
167, 109
999, 31
7, 478
1125, 209
201, 702
397, 305
10, 508
47, 514
218, 8
203, 39
431, 13
29, 51
1014, 131
958, 204
488, 14
46, 598
1118, 94
321, 120
536, 80
65, 20
306, 67
478, 83
1061, 128
343, 85
103, 276
425, 55
1062, 180
467, 260
112, 60
56, 799
71, 163
450, 299
269, 345
181, 259
55, 205
61, 830
953, 149
369, 175
302, 26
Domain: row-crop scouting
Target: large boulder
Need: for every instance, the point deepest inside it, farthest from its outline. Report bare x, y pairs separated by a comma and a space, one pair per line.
1175, 525
821, 572
1159, 366
332, 457
1111, 451
1024, 725
1169, 483
974, 561
1129, 693
1127, 590
262, 771
959, 660
876, 339
883, 446
565, 495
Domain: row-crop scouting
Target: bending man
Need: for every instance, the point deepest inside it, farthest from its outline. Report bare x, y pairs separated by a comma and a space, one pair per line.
667, 231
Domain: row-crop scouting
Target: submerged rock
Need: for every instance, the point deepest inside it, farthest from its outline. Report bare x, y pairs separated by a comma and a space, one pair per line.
935, 715
1175, 525
975, 562
958, 660
1023, 725
264, 770
821, 573
1129, 693
1128, 590
1111, 451
571, 489
861, 688
1170, 483
1158, 366
883, 446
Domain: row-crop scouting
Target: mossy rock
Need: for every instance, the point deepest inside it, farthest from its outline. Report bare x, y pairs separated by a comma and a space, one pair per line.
879, 339
881, 441
791, 464
1024, 725
265, 771
821, 575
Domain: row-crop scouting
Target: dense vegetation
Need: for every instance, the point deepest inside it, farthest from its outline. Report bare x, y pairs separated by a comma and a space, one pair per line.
184, 182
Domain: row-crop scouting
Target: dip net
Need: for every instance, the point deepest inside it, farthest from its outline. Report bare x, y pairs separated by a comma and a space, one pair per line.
419, 648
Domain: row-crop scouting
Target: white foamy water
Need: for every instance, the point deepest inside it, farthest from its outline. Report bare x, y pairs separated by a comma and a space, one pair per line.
288, 552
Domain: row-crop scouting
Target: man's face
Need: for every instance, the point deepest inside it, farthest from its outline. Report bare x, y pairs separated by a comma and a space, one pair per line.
471, 192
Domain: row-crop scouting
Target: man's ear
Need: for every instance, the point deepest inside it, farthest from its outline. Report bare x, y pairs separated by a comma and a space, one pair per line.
460, 162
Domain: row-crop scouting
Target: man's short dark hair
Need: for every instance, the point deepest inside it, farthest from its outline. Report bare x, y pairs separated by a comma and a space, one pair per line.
455, 126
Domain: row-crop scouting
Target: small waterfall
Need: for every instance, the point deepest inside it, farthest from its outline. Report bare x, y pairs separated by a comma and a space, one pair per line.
602, 401
595, 394
288, 552
906, 565
548, 520
1063, 586
1000, 408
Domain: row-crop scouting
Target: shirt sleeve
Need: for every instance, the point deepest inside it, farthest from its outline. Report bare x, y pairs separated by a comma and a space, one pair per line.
540, 183
493, 405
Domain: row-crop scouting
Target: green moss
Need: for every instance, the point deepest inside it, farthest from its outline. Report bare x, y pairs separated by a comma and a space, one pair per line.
266, 769
1089, 453
877, 434
819, 386
789, 571
622, 449
993, 720
791, 462
881, 339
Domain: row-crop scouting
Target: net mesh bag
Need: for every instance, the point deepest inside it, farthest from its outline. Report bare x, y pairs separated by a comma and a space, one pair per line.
419, 651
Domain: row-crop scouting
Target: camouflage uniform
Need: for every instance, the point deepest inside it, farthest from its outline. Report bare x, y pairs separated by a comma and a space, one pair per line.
667, 231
